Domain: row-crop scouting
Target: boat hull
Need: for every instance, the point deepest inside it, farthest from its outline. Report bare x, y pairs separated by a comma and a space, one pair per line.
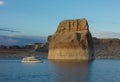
31, 61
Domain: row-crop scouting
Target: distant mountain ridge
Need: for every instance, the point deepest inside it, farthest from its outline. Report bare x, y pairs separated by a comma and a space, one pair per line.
21, 40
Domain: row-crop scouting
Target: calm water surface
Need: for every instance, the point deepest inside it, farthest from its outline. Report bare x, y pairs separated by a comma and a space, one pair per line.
102, 70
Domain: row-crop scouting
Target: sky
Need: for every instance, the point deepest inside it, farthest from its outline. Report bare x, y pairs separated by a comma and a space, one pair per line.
41, 17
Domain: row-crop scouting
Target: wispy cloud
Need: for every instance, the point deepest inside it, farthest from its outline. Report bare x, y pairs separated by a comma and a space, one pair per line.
1, 29
2, 2
7, 41
105, 34
21, 39
7, 29
104, 22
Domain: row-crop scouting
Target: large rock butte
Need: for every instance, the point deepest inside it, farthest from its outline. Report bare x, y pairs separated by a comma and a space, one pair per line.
72, 40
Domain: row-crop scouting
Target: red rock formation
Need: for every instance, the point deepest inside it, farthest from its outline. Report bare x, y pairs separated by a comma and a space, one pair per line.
72, 40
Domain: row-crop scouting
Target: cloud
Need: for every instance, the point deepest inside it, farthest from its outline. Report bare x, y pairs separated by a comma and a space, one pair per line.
21, 39
105, 34
5, 28
2, 2
1, 29
104, 22
7, 41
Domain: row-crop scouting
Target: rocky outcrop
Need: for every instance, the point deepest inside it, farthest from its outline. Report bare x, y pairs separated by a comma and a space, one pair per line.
106, 48
72, 40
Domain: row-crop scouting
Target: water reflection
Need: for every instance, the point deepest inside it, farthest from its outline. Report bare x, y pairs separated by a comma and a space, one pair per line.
68, 71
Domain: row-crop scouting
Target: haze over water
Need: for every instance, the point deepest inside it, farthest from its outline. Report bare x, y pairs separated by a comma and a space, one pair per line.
13, 70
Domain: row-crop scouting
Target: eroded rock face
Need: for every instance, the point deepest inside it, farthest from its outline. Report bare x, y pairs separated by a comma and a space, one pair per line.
72, 40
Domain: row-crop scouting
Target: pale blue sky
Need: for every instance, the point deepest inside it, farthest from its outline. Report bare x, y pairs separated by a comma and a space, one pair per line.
41, 17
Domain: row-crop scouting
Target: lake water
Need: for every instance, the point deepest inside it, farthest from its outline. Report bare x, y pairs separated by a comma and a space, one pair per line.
101, 70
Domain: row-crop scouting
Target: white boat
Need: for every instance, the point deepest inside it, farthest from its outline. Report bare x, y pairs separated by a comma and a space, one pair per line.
31, 59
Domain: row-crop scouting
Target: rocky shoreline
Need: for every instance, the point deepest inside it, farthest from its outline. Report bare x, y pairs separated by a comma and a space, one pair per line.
13, 53
103, 48
37, 49
106, 48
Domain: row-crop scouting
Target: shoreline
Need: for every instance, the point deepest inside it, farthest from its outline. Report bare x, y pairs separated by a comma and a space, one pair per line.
20, 53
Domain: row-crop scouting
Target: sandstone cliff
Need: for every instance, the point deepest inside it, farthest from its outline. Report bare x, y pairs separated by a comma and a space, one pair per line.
106, 48
72, 40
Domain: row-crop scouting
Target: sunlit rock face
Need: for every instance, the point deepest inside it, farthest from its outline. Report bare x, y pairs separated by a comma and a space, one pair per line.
72, 40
